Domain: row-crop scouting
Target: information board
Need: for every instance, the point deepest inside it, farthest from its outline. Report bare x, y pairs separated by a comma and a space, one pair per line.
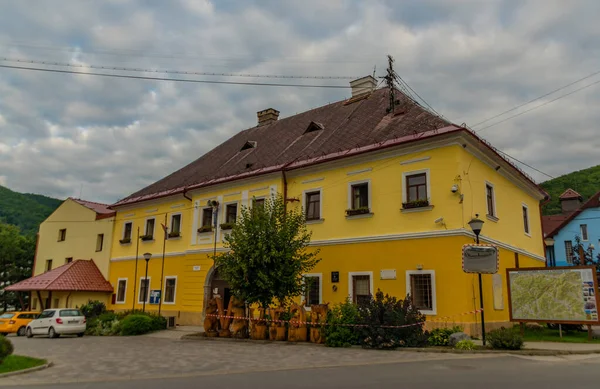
155, 296
480, 258
553, 294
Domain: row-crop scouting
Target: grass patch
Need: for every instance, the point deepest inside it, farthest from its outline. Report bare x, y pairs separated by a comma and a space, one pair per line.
18, 362
545, 334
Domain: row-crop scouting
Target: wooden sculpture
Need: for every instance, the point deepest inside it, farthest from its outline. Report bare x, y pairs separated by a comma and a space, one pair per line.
318, 316
258, 331
211, 323
239, 328
225, 322
297, 328
276, 329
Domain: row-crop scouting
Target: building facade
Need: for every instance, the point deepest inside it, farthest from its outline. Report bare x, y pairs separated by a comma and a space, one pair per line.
388, 191
577, 219
72, 257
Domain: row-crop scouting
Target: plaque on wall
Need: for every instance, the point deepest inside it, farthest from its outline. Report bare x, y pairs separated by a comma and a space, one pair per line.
335, 276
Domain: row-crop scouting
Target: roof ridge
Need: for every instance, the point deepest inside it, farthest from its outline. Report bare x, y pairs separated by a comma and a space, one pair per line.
88, 201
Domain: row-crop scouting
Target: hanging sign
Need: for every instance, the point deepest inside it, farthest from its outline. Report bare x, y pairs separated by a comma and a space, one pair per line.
155, 296
480, 258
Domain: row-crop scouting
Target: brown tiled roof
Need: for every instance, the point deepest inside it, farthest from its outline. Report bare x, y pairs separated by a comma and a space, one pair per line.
338, 130
570, 194
593, 202
77, 276
102, 210
549, 223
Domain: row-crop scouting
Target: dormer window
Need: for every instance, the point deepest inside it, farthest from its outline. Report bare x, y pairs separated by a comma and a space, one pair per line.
314, 126
248, 145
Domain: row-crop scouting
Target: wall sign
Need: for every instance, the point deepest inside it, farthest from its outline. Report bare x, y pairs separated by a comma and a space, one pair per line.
335, 276
196, 268
388, 274
480, 258
155, 296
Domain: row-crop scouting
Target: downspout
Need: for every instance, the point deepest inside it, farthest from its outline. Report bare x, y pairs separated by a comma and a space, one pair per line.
67, 302
541, 204
184, 194
285, 189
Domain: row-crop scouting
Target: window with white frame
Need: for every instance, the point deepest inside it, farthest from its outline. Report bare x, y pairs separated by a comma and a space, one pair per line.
150, 228
312, 205
361, 286
127, 230
584, 232
312, 291
420, 285
99, 242
526, 219
170, 289
175, 225
490, 198
207, 217
231, 213
144, 293
121, 290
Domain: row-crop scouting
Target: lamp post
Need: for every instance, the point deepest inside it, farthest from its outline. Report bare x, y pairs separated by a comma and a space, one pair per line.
147, 257
476, 225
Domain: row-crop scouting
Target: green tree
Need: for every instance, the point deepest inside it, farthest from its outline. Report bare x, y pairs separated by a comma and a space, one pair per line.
268, 254
16, 259
587, 259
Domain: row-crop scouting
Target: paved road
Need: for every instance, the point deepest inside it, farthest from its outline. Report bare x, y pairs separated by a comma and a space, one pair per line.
490, 373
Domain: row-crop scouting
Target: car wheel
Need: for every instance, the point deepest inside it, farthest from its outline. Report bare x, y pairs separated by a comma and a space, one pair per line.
80, 335
52, 333
29, 333
21, 331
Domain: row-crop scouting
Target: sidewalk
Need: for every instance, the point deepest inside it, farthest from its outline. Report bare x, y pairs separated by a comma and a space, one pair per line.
176, 332
558, 346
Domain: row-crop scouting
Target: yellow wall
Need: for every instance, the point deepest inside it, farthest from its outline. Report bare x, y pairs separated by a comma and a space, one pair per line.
69, 299
388, 239
80, 243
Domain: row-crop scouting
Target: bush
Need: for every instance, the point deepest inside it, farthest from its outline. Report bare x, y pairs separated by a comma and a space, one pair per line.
465, 345
337, 335
505, 339
440, 336
158, 322
136, 325
6, 348
93, 309
383, 311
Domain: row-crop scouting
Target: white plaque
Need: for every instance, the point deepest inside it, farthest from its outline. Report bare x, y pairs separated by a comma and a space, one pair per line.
196, 268
388, 274
480, 258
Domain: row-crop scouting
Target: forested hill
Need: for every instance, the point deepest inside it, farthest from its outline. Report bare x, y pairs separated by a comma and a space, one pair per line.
25, 210
586, 182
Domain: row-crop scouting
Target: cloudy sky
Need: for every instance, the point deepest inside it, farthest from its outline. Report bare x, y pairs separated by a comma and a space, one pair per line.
469, 59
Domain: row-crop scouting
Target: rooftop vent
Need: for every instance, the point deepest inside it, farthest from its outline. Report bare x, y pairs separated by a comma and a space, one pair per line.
248, 145
267, 116
314, 126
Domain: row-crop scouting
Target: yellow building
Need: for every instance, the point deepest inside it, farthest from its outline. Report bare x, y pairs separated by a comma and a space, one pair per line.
388, 192
72, 257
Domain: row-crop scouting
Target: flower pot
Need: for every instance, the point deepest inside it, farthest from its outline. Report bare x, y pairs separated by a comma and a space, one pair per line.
259, 331
358, 211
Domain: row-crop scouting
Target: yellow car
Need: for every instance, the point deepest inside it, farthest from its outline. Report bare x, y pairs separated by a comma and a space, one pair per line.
16, 322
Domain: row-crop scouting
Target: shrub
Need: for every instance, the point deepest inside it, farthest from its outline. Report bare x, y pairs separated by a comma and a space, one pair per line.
93, 309
6, 348
337, 335
505, 339
440, 336
158, 322
383, 311
465, 345
136, 325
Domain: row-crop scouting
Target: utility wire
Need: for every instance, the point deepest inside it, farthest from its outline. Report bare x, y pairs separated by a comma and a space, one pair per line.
538, 98
539, 106
65, 64
173, 79
523, 163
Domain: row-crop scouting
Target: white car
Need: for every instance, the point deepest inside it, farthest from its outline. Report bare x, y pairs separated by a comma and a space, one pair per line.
57, 322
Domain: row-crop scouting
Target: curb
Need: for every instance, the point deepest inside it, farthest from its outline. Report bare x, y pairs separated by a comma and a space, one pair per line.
25, 371
527, 352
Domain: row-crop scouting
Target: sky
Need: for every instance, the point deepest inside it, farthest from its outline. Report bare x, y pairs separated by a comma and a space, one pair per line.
104, 138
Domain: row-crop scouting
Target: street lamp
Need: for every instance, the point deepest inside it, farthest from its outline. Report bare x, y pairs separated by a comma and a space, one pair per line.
147, 257
476, 225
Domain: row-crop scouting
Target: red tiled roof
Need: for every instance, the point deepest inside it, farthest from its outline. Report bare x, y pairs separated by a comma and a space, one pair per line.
77, 276
549, 223
102, 210
570, 194
593, 202
346, 128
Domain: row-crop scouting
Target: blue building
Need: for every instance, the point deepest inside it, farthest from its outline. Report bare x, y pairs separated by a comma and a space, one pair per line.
577, 219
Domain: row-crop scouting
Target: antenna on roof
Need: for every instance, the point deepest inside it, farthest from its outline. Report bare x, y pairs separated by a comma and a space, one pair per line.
390, 81
374, 70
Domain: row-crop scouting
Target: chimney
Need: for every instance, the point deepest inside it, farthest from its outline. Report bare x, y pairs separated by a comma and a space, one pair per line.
267, 116
570, 201
363, 85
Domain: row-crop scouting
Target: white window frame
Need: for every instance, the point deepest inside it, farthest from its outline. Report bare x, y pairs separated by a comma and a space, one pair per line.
123, 229
359, 273
102, 245
124, 294
237, 211
320, 276
433, 291
180, 221
258, 198
146, 227
587, 232
320, 190
212, 219
412, 173
174, 292
495, 215
369, 192
140, 301
528, 231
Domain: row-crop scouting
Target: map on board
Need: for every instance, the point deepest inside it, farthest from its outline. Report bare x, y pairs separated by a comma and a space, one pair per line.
553, 295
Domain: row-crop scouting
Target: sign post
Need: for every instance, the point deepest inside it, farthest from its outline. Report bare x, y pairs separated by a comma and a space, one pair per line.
480, 259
